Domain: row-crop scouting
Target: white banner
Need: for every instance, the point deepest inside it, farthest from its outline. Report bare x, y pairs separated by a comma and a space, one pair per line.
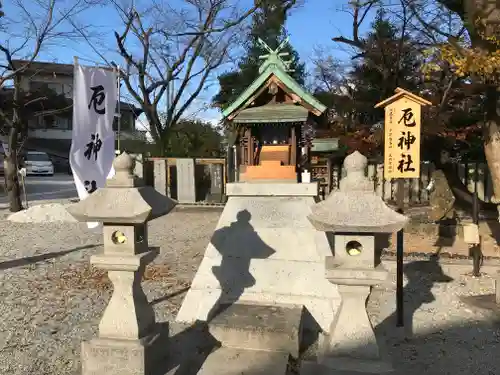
95, 95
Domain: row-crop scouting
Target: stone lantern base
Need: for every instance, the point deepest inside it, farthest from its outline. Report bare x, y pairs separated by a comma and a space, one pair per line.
118, 357
351, 344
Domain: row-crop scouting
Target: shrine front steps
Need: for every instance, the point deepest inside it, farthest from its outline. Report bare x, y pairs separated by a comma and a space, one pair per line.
245, 339
268, 170
229, 361
255, 339
257, 327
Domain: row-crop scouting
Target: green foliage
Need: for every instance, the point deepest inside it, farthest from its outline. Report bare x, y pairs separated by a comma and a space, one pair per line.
384, 63
194, 139
268, 24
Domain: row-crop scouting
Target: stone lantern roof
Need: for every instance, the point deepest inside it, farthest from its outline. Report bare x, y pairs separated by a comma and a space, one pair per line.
124, 200
355, 208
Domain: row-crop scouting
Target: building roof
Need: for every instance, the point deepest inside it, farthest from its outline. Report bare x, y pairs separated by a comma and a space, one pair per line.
45, 67
124, 106
274, 66
279, 112
400, 93
62, 69
49, 67
325, 144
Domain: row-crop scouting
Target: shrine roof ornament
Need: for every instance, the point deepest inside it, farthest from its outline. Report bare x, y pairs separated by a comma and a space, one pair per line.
274, 67
275, 56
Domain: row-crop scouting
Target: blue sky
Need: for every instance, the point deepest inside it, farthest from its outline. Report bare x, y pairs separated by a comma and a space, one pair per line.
311, 26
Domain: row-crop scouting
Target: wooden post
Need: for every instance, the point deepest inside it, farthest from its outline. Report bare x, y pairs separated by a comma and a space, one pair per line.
169, 192
497, 289
293, 147
250, 146
400, 199
329, 173
475, 249
401, 161
242, 152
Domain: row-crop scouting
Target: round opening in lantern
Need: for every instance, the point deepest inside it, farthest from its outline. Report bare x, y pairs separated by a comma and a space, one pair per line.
118, 238
353, 248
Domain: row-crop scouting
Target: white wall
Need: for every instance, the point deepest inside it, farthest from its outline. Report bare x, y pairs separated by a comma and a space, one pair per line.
66, 134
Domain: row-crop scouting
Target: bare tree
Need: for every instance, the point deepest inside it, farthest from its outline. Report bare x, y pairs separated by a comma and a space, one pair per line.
170, 54
29, 25
328, 71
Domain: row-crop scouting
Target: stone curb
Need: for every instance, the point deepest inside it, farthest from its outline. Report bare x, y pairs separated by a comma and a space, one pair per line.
449, 257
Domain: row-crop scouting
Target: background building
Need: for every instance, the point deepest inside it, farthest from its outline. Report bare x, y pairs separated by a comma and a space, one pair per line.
52, 133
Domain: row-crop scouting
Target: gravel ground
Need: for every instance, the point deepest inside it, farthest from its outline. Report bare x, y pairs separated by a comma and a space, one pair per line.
442, 334
52, 299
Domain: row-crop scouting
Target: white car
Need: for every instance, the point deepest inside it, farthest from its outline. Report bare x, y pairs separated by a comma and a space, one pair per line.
38, 163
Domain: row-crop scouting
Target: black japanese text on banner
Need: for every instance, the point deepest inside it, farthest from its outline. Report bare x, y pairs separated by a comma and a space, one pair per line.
92, 151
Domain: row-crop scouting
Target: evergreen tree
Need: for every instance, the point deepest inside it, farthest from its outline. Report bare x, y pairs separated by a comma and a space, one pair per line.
268, 24
386, 60
389, 61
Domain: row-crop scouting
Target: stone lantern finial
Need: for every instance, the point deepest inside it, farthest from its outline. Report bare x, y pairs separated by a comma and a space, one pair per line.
354, 207
355, 162
355, 180
124, 165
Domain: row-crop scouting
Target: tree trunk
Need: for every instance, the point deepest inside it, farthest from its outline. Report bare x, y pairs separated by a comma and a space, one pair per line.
12, 181
463, 197
11, 167
492, 153
491, 136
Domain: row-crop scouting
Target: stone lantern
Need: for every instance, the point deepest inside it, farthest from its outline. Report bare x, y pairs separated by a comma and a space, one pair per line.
355, 215
127, 329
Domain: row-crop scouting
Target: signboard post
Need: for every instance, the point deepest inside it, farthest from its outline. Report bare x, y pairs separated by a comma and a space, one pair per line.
402, 129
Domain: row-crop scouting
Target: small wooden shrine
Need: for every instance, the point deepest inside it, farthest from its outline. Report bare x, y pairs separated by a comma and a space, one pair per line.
274, 118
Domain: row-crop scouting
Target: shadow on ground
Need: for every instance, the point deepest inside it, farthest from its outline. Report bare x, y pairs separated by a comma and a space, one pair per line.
458, 348
446, 347
40, 258
494, 226
421, 275
183, 352
233, 273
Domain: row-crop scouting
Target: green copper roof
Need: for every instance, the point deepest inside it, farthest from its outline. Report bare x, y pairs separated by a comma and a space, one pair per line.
272, 113
274, 65
325, 144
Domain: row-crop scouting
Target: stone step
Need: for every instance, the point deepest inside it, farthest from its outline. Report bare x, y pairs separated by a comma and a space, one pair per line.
230, 361
345, 366
257, 327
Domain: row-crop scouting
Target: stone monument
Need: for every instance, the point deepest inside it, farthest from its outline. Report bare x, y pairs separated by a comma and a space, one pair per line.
127, 331
186, 184
160, 180
354, 214
441, 199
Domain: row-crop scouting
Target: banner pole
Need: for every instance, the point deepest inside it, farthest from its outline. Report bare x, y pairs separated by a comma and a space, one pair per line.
118, 110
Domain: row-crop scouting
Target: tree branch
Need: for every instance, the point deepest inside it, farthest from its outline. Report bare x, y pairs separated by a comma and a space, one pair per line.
173, 56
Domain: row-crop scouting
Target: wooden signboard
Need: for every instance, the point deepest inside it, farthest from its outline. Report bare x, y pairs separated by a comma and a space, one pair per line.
402, 129
471, 234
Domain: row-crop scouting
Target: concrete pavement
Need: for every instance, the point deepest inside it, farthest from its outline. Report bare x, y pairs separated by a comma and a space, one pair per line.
40, 188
